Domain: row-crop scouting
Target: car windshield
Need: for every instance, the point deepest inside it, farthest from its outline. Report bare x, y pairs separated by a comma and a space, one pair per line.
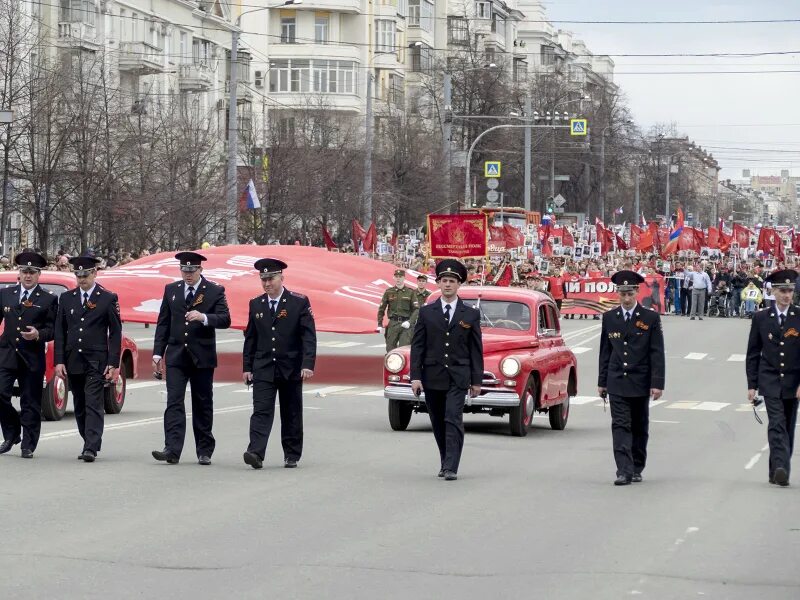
56, 288
503, 314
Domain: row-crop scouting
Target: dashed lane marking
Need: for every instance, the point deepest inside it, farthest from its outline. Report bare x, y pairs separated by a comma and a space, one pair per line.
695, 356
580, 350
737, 358
339, 344
713, 406
683, 405
137, 385
578, 400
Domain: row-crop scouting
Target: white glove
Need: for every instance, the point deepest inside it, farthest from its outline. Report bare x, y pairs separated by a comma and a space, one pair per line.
379, 329
405, 324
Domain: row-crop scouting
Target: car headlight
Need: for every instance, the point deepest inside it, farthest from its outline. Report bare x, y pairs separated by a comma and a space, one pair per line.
510, 367
394, 362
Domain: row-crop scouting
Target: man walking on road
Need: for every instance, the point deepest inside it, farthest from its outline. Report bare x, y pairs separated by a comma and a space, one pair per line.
447, 362
701, 285
631, 371
773, 369
29, 314
191, 312
88, 342
280, 349
402, 306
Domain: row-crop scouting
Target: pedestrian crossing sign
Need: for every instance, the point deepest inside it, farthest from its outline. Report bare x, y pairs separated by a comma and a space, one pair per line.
491, 168
578, 127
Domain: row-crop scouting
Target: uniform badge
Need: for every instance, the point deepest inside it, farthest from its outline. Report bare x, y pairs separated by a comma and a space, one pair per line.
198, 300
90, 305
791, 332
642, 325
6, 309
283, 314
72, 311
173, 297
769, 336
465, 325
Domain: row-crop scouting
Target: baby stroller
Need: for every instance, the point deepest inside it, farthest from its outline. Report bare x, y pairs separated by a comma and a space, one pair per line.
718, 305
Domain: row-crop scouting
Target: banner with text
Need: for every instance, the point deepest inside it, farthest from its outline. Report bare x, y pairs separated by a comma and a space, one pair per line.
457, 236
597, 295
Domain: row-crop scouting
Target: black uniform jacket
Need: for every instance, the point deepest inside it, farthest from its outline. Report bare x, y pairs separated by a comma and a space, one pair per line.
773, 354
443, 356
632, 354
39, 312
280, 347
176, 335
92, 334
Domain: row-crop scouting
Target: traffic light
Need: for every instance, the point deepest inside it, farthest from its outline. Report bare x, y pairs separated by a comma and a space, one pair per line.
551, 206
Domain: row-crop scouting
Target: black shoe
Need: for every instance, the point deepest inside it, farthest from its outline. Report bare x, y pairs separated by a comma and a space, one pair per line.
8, 445
691, 318
290, 463
772, 481
165, 456
441, 473
701, 318
622, 480
204, 460
88, 456
26, 453
253, 460
450, 476
781, 477
637, 478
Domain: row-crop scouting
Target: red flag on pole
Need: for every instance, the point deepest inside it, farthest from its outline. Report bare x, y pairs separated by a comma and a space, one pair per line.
371, 239
329, 243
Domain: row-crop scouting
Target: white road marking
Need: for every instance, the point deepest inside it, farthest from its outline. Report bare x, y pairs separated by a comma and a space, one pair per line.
683, 405
580, 350
579, 332
378, 346
578, 400
376, 393
222, 384
695, 356
715, 406
233, 341
656, 402
140, 340
332, 389
142, 384
340, 344
737, 358
669, 422
752, 462
589, 339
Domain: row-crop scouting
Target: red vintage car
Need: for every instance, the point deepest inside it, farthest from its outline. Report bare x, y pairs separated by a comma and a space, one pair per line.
527, 366
55, 392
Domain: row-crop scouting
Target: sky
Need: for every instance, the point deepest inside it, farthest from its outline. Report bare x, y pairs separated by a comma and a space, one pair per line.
746, 120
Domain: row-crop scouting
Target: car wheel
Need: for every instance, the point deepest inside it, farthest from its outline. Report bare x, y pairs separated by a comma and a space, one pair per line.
558, 415
399, 414
115, 394
54, 399
521, 416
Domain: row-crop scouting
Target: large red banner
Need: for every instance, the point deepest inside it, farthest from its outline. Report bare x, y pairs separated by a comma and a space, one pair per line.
597, 295
457, 236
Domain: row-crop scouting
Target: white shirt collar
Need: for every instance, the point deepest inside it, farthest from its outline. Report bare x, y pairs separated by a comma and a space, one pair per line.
784, 313
90, 291
452, 304
278, 299
22, 290
631, 311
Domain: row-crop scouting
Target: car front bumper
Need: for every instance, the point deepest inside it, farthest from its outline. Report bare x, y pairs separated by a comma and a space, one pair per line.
499, 398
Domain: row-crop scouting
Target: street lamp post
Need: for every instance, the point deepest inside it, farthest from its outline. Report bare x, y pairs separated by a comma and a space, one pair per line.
231, 205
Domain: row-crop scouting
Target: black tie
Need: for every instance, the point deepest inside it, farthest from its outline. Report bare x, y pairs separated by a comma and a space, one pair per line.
447, 314
782, 319
272, 304
627, 317
85, 299
24, 296
190, 296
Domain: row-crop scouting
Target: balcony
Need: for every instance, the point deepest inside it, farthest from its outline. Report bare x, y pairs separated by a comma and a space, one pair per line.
340, 6
195, 78
140, 58
243, 91
77, 35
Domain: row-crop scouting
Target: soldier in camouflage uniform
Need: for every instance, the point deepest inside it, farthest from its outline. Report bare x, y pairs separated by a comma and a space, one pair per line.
401, 306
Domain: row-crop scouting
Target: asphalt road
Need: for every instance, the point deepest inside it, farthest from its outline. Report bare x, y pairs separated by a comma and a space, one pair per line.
364, 516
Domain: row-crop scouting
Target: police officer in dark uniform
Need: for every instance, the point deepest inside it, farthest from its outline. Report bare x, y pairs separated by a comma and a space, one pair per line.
191, 312
773, 368
447, 362
280, 349
88, 340
29, 313
631, 372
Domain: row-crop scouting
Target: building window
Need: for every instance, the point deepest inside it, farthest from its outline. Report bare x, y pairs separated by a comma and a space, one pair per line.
548, 55
499, 26
483, 10
183, 49
322, 29
520, 70
385, 34
288, 28
457, 30
421, 58
286, 129
78, 11
321, 76
402, 8
396, 90
420, 14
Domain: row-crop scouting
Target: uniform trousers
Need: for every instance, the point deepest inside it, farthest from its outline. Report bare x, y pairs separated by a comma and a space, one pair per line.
290, 394
27, 422
88, 398
202, 381
446, 411
630, 421
782, 414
